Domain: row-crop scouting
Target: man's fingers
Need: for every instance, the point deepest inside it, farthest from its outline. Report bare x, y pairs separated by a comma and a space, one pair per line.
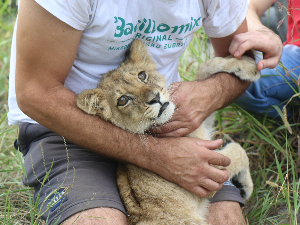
206, 187
246, 45
264, 63
217, 176
235, 48
166, 128
262, 40
211, 145
200, 191
218, 159
211, 185
176, 133
240, 49
267, 63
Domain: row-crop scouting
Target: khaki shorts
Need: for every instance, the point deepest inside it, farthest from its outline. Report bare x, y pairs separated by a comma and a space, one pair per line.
69, 179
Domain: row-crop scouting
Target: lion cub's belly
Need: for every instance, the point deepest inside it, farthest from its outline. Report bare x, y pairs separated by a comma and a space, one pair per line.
148, 194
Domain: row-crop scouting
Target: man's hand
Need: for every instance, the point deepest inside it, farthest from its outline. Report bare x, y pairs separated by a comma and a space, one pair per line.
196, 100
263, 40
189, 164
258, 37
190, 112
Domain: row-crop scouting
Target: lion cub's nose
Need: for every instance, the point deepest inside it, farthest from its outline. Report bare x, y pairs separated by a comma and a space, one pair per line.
156, 99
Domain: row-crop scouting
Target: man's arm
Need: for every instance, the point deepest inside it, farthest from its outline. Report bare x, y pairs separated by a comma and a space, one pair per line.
46, 49
256, 10
259, 37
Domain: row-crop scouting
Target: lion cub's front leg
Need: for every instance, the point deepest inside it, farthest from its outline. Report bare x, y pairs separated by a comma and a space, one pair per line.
245, 68
238, 168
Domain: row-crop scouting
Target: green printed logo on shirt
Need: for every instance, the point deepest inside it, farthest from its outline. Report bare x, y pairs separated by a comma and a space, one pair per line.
149, 26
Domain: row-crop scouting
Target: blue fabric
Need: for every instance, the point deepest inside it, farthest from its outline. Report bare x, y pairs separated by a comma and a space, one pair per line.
275, 87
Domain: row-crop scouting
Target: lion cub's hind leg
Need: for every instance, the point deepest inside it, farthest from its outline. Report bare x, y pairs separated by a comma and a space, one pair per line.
239, 168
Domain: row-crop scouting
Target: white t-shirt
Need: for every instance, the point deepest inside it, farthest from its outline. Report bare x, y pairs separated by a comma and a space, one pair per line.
165, 26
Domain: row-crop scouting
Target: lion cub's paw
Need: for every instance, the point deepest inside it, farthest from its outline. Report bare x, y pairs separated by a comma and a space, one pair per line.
239, 168
244, 183
244, 68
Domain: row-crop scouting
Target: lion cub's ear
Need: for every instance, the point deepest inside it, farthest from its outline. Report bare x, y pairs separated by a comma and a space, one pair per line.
139, 55
94, 102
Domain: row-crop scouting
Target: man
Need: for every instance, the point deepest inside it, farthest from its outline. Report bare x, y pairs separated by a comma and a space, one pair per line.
63, 48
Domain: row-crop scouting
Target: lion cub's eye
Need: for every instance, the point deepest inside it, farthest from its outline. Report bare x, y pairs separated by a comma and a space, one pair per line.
123, 100
142, 76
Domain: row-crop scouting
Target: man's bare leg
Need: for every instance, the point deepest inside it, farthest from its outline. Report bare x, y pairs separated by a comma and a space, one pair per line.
103, 216
227, 213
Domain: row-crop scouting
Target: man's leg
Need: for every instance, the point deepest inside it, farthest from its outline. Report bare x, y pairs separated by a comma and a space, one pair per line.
103, 216
226, 213
71, 184
226, 205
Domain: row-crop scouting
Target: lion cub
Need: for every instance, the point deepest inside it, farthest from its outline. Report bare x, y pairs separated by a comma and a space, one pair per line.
134, 97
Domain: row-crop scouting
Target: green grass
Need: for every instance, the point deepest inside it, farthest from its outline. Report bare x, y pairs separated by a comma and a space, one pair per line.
271, 147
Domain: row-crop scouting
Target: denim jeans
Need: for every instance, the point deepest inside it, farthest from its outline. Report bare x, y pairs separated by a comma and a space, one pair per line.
275, 87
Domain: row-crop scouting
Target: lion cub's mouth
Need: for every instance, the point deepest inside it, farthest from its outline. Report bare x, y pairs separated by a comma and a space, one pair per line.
163, 108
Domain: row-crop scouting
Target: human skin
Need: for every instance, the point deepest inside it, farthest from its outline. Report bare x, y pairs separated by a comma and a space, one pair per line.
44, 60
259, 37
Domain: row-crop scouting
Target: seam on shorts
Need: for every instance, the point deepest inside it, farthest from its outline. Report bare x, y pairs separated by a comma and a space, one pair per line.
25, 134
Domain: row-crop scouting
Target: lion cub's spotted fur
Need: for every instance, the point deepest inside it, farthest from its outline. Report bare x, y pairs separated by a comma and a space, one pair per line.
134, 97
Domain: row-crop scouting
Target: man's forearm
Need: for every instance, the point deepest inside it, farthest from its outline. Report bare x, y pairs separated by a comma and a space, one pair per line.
232, 87
56, 109
256, 9
253, 20
224, 89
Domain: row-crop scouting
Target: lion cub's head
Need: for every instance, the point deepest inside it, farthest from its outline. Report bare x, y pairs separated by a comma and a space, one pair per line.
132, 96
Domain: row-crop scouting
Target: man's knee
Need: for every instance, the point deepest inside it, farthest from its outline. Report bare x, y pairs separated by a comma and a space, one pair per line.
104, 216
226, 212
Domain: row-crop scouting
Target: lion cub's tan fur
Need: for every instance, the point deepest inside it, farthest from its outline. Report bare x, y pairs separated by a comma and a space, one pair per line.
134, 97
